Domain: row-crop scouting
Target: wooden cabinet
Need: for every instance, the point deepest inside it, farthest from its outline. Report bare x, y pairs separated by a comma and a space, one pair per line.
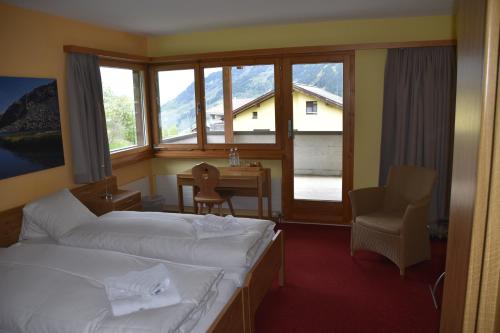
121, 200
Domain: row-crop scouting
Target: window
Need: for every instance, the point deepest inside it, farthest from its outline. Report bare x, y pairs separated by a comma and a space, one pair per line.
177, 106
311, 107
209, 106
232, 95
123, 92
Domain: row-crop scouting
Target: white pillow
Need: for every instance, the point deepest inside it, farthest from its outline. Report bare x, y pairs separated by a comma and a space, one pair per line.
30, 230
57, 214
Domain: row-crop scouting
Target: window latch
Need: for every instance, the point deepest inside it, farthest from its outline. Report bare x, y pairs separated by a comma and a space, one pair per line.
290, 129
198, 107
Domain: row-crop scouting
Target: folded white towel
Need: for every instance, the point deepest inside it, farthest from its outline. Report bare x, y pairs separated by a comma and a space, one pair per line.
124, 306
141, 290
148, 282
211, 226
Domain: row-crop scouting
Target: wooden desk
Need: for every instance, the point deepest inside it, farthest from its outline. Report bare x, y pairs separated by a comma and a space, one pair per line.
244, 181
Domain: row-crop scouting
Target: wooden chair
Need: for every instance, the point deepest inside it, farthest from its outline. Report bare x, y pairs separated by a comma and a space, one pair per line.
206, 178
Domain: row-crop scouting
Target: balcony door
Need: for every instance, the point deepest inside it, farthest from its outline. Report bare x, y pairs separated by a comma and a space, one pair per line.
317, 169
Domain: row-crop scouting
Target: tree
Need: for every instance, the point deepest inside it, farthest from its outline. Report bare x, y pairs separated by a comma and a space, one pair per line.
120, 119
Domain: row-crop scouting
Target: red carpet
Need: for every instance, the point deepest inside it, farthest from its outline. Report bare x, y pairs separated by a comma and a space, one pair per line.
328, 291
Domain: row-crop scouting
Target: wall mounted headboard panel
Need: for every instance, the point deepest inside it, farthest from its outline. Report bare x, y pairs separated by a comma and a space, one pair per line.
10, 226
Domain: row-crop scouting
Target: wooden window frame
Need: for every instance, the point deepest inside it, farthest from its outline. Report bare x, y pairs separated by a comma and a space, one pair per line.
277, 146
128, 156
155, 98
202, 148
249, 56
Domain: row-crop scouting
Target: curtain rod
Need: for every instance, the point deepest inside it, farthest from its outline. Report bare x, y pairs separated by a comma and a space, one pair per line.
106, 54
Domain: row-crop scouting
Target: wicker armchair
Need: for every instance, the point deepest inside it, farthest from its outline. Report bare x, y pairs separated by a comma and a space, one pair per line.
392, 220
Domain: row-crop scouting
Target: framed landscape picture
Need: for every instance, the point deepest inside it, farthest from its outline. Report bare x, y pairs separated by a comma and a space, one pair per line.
30, 127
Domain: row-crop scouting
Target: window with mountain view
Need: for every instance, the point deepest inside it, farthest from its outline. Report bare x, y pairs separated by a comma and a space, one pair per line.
124, 107
177, 106
237, 103
233, 97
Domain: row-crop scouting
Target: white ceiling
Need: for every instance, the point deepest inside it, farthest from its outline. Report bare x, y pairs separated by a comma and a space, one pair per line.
158, 17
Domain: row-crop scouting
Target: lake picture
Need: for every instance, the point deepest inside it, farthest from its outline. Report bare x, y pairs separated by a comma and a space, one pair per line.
30, 127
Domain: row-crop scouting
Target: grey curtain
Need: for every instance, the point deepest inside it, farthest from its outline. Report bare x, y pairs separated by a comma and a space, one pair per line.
418, 116
89, 138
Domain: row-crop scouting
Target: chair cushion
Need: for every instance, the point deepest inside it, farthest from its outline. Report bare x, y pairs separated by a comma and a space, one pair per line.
382, 221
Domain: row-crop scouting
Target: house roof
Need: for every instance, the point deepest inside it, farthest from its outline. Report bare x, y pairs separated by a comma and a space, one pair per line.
219, 108
322, 94
319, 93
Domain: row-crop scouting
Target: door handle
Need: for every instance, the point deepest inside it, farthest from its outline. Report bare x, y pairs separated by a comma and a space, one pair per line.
290, 129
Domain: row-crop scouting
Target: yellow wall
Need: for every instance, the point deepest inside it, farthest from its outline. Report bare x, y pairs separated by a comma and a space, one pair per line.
162, 166
133, 172
305, 34
369, 78
32, 45
369, 65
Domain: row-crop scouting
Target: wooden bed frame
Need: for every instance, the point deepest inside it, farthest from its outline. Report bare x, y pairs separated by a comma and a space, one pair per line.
238, 315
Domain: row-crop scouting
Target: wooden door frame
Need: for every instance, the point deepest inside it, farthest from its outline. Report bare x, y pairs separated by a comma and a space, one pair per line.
471, 298
316, 211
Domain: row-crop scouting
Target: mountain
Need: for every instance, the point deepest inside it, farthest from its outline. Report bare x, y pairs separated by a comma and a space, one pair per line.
325, 76
249, 82
37, 110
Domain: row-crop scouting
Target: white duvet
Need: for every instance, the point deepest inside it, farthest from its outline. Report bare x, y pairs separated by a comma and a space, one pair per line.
170, 237
52, 288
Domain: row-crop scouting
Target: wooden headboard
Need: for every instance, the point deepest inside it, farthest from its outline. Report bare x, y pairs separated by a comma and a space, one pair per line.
11, 219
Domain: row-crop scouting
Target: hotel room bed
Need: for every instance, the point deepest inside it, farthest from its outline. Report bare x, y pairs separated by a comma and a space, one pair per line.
174, 237
255, 276
171, 237
53, 288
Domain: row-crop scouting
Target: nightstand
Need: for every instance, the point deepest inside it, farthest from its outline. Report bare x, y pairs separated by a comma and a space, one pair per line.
122, 200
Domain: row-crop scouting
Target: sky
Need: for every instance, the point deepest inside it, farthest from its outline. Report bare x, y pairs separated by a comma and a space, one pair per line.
120, 80
13, 88
171, 83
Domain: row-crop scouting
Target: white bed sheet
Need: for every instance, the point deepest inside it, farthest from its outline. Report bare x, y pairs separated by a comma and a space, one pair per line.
227, 288
237, 274
171, 237
38, 240
34, 275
